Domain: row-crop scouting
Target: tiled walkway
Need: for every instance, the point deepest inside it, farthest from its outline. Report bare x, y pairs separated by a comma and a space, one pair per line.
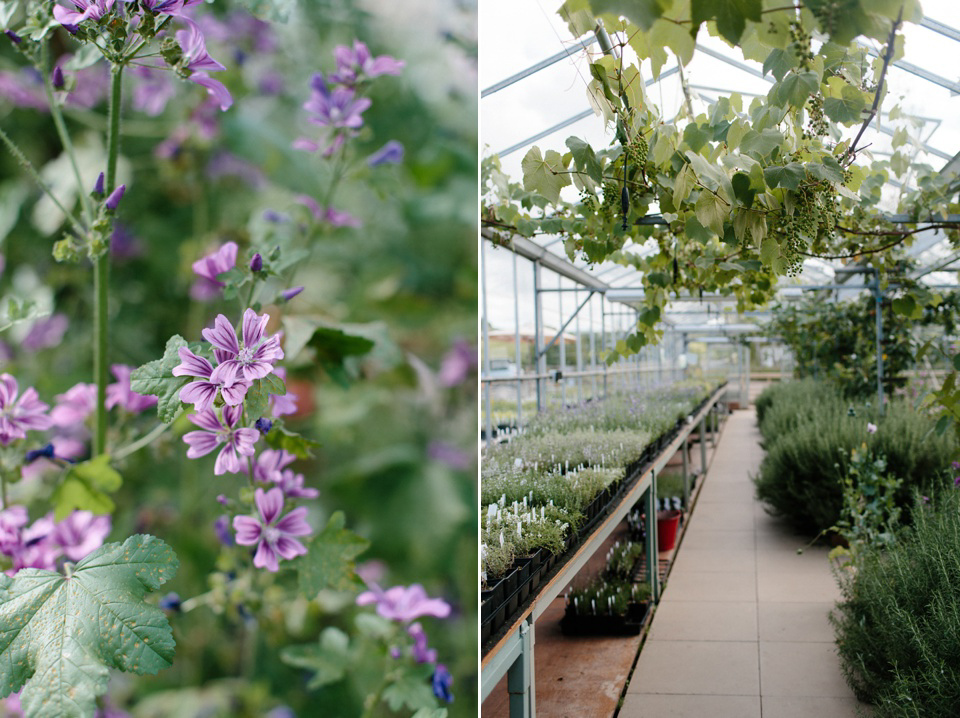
742, 629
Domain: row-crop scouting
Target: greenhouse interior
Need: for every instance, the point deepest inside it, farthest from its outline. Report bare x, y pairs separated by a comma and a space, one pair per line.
719, 410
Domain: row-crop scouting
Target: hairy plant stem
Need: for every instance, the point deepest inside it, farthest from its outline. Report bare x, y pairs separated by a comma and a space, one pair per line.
101, 270
3, 489
144, 440
35, 176
65, 141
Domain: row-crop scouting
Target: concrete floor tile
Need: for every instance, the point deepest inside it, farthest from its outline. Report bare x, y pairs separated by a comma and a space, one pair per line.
788, 560
710, 586
665, 706
797, 586
801, 669
703, 538
724, 517
705, 621
797, 622
697, 668
716, 560
740, 492
804, 707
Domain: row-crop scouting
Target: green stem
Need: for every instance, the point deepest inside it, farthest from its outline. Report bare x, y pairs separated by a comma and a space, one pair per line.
144, 440
35, 176
101, 270
373, 700
65, 141
3, 489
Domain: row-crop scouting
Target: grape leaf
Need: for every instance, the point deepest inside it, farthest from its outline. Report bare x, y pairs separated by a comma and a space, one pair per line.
329, 559
541, 174
731, 16
640, 12
59, 635
156, 378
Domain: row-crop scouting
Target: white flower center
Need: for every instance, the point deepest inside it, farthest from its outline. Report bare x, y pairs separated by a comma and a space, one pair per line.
272, 534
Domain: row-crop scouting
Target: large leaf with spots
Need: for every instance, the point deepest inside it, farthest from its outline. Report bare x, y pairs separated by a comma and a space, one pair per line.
59, 634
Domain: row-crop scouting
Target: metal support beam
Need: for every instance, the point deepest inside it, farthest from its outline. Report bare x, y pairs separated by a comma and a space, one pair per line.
584, 44
653, 563
565, 324
520, 678
541, 358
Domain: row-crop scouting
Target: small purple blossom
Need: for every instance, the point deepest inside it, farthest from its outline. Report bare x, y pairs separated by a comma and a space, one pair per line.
273, 535
356, 64
250, 356
339, 108
46, 333
331, 216
390, 154
457, 364
871, 428
113, 201
207, 268
199, 62
421, 652
18, 415
120, 394
203, 393
74, 406
291, 484
170, 602
404, 604
236, 442
455, 458
80, 533
442, 682
152, 89
221, 527
45, 452
270, 463
12, 519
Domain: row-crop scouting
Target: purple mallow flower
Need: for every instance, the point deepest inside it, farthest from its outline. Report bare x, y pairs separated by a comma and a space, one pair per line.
404, 604
356, 63
271, 467
120, 394
249, 357
442, 682
339, 108
871, 428
333, 217
282, 404
85, 10
207, 268
236, 442
74, 406
390, 153
221, 527
20, 415
80, 533
272, 534
46, 333
198, 61
203, 393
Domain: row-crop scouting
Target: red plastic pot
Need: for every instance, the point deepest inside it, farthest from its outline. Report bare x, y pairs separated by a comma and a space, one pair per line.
667, 524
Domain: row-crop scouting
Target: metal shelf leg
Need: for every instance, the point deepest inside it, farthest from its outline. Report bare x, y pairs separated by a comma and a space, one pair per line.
520, 679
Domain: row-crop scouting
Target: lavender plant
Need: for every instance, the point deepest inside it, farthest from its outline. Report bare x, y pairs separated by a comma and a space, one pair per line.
230, 386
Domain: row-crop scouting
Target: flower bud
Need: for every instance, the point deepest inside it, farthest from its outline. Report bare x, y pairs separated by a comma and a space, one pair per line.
289, 294
14, 37
256, 263
114, 199
58, 81
263, 425
98, 187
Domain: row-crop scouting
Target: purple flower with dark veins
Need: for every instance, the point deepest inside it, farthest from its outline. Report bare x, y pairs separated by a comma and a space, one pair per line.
356, 63
120, 394
74, 406
236, 442
272, 534
167, 7
207, 268
249, 357
337, 108
198, 61
19, 415
203, 393
85, 10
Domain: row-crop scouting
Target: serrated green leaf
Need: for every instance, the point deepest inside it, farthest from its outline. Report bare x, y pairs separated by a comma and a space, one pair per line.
274, 385
541, 175
711, 211
256, 401
779, 62
411, 691
156, 379
761, 144
333, 346
682, 184
300, 446
585, 159
794, 89
328, 659
640, 12
59, 636
84, 488
844, 102
769, 251
789, 176
329, 561
731, 16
